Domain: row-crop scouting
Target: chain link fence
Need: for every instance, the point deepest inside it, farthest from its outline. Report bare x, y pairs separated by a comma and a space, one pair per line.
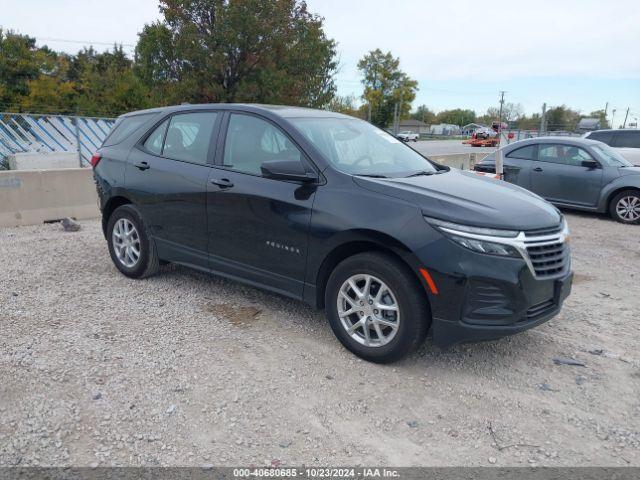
34, 133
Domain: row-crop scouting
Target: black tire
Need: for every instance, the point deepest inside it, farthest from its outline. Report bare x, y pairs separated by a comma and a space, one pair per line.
148, 262
415, 316
634, 194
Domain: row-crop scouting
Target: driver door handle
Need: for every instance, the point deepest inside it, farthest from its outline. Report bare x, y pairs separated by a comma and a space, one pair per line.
222, 182
537, 169
142, 166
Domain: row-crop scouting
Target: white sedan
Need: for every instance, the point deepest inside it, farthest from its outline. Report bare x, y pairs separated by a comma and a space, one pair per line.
408, 136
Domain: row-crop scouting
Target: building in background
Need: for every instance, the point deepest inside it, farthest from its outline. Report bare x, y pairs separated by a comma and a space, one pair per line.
588, 125
444, 129
413, 126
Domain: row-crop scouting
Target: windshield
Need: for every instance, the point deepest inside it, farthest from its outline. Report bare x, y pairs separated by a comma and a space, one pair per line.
354, 146
610, 157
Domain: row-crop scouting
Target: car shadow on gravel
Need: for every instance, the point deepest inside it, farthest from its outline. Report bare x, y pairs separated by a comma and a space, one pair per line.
245, 307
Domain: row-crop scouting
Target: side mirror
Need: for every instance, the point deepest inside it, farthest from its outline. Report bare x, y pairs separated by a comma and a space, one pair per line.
590, 164
287, 170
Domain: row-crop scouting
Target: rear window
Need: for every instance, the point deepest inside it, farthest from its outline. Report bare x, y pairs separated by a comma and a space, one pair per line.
627, 139
604, 137
124, 127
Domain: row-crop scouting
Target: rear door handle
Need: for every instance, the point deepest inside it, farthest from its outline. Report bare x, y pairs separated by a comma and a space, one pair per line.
142, 166
222, 182
537, 169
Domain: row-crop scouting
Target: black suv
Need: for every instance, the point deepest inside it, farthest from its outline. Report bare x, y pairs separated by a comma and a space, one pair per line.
328, 209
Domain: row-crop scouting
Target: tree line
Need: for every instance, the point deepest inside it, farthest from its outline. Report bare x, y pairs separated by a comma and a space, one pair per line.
261, 51
200, 51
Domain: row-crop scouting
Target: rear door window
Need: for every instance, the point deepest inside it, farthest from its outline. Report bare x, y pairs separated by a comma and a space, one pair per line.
604, 137
124, 127
626, 139
188, 137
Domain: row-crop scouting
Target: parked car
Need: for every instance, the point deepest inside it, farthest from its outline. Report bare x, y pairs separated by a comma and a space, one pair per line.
408, 136
328, 209
626, 142
574, 173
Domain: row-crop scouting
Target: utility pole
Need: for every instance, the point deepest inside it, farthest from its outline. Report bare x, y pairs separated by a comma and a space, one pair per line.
369, 112
395, 119
543, 119
624, 124
613, 114
501, 105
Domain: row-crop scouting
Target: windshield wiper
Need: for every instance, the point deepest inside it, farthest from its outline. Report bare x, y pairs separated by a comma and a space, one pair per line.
371, 175
425, 172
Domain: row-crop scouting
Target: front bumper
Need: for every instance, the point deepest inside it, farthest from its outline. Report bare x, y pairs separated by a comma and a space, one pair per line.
484, 297
447, 332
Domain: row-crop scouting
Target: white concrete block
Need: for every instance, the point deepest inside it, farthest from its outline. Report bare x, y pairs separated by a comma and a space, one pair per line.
43, 161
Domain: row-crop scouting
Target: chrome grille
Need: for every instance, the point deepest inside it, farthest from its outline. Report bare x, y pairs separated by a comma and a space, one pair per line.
548, 253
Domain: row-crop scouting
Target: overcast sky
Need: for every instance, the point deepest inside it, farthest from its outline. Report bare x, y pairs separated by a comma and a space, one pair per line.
581, 53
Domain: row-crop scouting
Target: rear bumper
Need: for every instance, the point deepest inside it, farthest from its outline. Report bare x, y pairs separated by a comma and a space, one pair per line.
525, 315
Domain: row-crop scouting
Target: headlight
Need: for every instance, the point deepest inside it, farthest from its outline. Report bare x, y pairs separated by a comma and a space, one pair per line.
478, 239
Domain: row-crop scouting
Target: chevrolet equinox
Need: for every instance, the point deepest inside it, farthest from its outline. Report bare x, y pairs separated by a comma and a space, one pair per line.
328, 209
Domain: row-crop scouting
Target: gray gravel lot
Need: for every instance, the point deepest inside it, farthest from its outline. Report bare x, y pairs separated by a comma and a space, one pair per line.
189, 369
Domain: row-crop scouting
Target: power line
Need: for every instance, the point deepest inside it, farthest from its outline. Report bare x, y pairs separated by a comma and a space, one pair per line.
84, 42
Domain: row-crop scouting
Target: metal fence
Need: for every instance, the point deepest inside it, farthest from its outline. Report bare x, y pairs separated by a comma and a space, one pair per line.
21, 132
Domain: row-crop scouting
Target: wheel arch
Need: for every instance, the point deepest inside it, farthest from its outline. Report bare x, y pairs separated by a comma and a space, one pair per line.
359, 242
612, 194
110, 207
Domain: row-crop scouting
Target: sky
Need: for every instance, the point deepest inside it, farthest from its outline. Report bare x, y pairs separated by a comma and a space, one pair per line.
584, 54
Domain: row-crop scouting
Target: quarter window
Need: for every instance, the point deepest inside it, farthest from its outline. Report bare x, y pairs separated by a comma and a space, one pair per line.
251, 141
189, 136
563, 154
526, 153
124, 127
153, 143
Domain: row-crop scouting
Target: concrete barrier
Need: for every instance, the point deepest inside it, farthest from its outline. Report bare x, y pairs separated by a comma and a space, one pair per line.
463, 161
43, 161
30, 197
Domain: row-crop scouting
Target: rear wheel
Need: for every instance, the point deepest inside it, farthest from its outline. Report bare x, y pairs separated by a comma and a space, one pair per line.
376, 308
131, 247
625, 207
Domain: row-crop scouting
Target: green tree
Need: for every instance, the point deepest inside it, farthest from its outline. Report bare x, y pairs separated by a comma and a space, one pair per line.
562, 118
385, 85
423, 114
529, 123
18, 65
456, 116
347, 105
106, 83
267, 51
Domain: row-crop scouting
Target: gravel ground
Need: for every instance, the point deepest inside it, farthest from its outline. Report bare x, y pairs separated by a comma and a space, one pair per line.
189, 369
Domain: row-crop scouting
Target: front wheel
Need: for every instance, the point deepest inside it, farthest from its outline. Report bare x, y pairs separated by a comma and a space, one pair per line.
625, 207
376, 307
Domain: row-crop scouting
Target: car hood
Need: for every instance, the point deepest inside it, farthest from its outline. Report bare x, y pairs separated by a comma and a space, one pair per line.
629, 170
470, 199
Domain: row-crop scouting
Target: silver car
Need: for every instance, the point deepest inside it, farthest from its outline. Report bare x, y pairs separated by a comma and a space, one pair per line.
625, 142
573, 173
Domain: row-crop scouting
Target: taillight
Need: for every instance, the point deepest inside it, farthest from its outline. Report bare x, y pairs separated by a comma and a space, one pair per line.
95, 159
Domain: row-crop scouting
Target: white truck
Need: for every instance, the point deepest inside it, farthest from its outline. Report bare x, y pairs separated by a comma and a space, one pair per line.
408, 136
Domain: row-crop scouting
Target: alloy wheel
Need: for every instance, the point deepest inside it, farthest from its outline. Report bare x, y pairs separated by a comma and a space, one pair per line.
628, 208
368, 310
126, 242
